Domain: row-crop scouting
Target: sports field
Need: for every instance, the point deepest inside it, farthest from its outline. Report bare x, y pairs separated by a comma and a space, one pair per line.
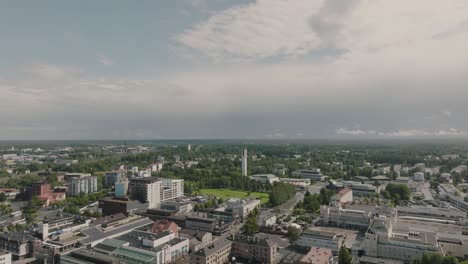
226, 194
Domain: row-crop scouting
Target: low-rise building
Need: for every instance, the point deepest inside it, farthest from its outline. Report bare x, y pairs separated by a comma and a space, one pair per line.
178, 207
320, 239
313, 174
299, 183
217, 252
165, 225
197, 239
202, 224
242, 207
382, 241
254, 250
317, 255
346, 218
344, 195
265, 178
112, 206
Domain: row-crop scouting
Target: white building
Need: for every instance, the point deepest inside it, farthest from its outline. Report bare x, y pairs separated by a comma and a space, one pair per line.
154, 194
171, 189
242, 207
383, 242
244, 162
5, 257
343, 196
265, 178
86, 185
418, 176
320, 239
301, 183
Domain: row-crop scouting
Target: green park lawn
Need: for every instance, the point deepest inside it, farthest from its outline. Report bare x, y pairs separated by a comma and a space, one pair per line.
226, 194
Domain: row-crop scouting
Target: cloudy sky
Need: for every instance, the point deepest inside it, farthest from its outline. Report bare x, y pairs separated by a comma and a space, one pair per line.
116, 69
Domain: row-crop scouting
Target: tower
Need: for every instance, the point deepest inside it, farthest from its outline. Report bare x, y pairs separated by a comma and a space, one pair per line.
244, 162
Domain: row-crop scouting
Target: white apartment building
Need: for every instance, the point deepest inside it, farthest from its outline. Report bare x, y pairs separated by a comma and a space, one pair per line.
86, 185
154, 194
171, 189
155, 191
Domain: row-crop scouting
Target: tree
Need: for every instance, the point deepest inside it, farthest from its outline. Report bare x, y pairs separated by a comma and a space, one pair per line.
293, 234
401, 189
344, 256
3, 197
251, 226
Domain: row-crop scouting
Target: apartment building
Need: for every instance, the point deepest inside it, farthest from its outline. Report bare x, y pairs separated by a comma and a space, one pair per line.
154, 190
20, 245
254, 250
79, 185
216, 253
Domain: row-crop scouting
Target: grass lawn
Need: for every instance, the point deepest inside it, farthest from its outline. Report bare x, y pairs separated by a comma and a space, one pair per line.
226, 194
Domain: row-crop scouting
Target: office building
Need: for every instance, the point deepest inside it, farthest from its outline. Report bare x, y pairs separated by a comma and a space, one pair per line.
244, 162
242, 207
382, 241
110, 206
321, 239
345, 218
111, 178
121, 189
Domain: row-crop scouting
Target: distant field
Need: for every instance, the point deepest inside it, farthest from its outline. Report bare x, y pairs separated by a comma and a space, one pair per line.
226, 194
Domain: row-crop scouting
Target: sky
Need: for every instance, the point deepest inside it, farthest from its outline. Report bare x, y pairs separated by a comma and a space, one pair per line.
269, 69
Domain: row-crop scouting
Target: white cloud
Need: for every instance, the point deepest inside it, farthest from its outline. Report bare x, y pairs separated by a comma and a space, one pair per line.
258, 30
52, 72
269, 28
104, 60
354, 132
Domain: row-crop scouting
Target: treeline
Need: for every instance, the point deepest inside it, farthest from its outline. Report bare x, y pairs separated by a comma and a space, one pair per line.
311, 202
435, 258
281, 192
